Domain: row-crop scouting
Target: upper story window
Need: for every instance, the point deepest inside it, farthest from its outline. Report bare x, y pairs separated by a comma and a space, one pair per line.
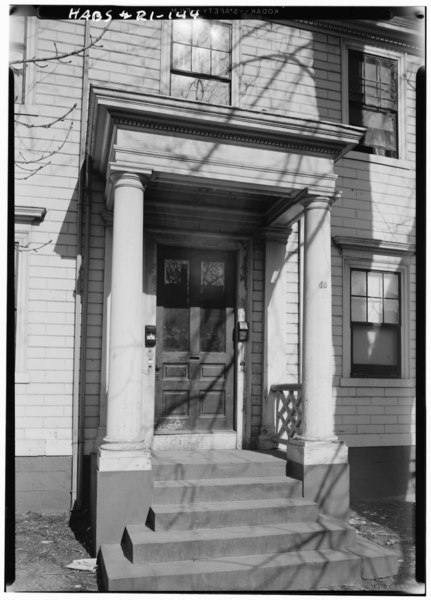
375, 323
201, 61
373, 101
18, 34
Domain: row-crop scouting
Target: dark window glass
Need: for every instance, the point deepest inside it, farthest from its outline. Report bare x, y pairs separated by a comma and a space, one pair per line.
375, 323
201, 61
17, 53
176, 318
373, 102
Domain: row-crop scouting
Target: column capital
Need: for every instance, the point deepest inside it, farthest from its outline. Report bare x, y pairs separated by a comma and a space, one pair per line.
118, 178
124, 178
311, 200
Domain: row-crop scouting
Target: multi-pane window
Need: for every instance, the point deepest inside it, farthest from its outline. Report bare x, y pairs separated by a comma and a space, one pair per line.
375, 323
373, 101
18, 27
201, 61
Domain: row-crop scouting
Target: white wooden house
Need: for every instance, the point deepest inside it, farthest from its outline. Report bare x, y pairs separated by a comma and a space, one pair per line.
215, 257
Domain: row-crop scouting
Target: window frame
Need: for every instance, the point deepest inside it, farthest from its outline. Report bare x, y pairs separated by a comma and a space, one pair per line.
378, 52
375, 370
383, 262
166, 61
29, 76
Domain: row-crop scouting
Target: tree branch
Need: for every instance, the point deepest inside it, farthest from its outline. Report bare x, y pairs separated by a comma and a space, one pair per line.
51, 123
57, 56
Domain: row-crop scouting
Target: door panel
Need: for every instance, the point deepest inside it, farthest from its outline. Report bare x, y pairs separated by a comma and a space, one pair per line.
195, 350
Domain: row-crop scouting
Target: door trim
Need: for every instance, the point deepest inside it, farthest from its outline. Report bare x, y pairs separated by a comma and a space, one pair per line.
243, 247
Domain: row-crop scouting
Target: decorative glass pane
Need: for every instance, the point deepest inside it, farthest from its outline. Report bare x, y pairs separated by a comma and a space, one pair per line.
220, 37
202, 33
176, 271
359, 283
176, 329
176, 280
359, 310
375, 346
212, 273
213, 330
375, 285
391, 285
220, 63
182, 31
181, 57
201, 60
391, 311
375, 310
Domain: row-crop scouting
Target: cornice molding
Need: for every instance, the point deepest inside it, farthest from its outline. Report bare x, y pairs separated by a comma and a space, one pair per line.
374, 245
404, 40
111, 110
230, 136
29, 214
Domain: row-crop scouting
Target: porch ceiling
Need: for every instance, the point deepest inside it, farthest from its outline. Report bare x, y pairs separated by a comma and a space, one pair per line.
212, 208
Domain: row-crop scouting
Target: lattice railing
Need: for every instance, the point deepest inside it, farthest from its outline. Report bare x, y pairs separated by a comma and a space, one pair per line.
288, 410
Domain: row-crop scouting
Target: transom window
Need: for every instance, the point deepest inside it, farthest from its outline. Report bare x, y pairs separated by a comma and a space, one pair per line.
375, 323
373, 101
201, 61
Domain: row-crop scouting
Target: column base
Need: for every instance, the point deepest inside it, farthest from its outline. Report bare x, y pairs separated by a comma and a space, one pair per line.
123, 456
123, 491
323, 468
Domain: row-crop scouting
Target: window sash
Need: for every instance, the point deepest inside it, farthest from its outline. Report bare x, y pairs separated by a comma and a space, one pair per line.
373, 101
201, 62
375, 320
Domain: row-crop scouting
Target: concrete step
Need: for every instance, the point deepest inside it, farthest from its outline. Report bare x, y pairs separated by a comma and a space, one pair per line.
285, 571
164, 517
141, 545
226, 488
208, 464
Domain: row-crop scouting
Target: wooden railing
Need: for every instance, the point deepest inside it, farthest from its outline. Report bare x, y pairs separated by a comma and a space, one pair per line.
287, 399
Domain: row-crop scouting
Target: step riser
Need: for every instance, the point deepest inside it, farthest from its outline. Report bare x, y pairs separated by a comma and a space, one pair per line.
289, 578
271, 543
235, 517
213, 493
210, 471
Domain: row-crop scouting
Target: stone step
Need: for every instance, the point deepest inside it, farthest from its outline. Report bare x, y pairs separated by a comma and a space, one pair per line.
285, 571
141, 545
164, 517
185, 464
226, 488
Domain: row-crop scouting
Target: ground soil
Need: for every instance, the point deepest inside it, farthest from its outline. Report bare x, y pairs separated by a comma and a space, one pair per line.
45, 544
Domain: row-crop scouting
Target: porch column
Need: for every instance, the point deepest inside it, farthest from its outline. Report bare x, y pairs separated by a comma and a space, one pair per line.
317, 456
124, 459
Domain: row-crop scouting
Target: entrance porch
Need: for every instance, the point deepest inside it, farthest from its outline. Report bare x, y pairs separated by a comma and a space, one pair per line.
198, 181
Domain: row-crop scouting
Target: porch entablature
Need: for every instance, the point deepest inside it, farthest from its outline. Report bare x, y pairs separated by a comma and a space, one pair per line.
192, 143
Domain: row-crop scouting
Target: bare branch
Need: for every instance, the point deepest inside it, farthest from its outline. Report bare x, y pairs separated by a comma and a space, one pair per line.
33, 170
51, 123
58, 56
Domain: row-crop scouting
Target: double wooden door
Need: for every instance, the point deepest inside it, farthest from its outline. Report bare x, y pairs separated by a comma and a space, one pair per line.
195, 349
